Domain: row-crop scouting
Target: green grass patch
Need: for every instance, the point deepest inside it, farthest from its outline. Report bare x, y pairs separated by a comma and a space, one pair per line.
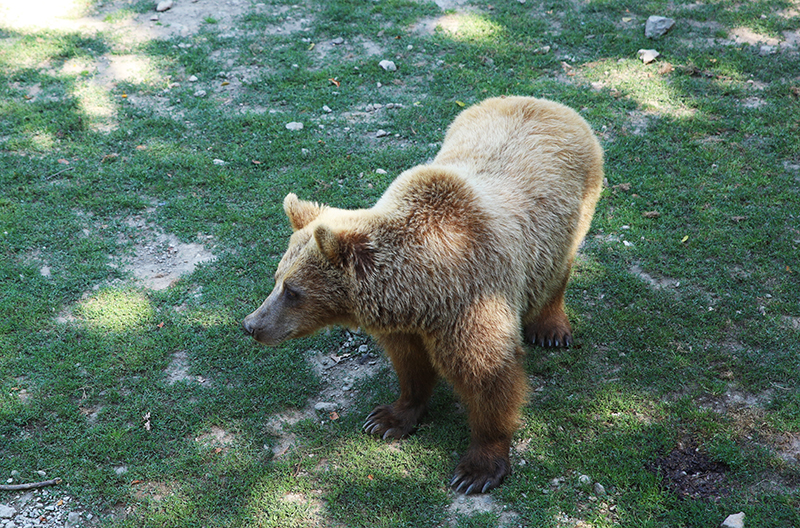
116, 152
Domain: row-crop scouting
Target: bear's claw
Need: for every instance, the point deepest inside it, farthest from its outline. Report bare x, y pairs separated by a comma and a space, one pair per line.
387, 423
471, 478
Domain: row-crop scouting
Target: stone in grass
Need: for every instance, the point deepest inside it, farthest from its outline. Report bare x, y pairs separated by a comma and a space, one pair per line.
388, 65
734, 521
381, 133
658, 26
325, 407
7, 512
200, 93
294, 125
163, 5
648, 55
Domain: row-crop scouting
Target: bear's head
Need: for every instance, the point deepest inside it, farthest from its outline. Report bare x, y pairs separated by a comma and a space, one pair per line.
315, 280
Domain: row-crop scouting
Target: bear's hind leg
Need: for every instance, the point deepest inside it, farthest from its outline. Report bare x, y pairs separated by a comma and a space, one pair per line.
550, 326
417, 378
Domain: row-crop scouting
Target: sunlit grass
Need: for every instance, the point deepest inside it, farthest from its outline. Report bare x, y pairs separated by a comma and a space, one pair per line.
116, 310
470, 27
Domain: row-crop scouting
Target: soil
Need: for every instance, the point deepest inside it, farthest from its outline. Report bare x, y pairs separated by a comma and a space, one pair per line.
691, 474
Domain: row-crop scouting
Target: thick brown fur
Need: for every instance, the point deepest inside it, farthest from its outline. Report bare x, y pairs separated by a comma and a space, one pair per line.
457, 261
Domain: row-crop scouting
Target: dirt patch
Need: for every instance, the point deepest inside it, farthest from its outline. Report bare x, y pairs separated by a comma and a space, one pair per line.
655, 283
339, 371
691, 474
178, 370
160, 259
470, 505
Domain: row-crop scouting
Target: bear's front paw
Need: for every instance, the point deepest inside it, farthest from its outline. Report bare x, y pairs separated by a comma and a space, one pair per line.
479, 474
385, 421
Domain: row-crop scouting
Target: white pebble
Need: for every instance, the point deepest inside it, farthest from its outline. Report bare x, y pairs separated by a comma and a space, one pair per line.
327, 109
200, 93
193, 78
387, 65
381, 133
294, 125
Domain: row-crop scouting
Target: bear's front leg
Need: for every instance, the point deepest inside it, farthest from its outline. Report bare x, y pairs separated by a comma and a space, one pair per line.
494, 397
417, 378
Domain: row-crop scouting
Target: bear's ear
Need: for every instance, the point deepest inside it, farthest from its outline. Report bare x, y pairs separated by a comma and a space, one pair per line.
346, 249
300, 212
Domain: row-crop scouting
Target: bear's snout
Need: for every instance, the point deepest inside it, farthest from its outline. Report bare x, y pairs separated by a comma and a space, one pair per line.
246, 327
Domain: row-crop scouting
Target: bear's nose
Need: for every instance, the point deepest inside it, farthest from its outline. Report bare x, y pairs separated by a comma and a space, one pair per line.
247, 328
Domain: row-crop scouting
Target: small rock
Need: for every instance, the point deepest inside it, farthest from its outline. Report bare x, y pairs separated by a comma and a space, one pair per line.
305, 151
381, 133
121, 470
15, 473
72, 519
599, 489
584, 480
154, 18
294, 125
337, 41
325, 406
765, 50
327, 109
193, 78
220, 162
387, 65
541, 51
734, 521
200, 93
41, 473
657, 26
6, 512
380, 171
648, 55
163, 5
363, 349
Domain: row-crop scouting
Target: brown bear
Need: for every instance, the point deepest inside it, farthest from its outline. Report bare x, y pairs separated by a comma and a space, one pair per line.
451, 267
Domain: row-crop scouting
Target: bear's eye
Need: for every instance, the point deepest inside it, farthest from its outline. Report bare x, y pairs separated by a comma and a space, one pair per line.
290, 293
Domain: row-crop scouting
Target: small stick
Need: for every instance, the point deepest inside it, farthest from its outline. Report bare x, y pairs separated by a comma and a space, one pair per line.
59, 172
32, 485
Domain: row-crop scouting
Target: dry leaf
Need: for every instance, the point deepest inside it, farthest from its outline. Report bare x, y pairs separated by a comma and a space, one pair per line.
335, 82
369, 477
651, 214
109, 157
218, 450
225, 83
623, 187
135, 482
738, 219
461, 104
140, 147
160, 325
63, 161
334, 416
684, 239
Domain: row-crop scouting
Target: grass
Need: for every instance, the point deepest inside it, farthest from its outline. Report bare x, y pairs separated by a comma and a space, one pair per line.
686, 321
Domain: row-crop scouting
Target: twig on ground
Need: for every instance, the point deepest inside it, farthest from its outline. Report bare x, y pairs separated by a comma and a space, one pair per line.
31, 485
57, 173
